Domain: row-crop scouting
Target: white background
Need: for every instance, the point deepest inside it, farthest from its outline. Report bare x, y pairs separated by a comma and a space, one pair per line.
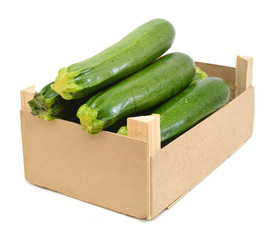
237, 201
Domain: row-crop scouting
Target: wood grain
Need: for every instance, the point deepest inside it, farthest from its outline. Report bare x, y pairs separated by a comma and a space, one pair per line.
244, 74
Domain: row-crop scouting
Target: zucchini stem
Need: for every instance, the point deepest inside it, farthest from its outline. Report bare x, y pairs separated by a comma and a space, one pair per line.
64, 83
122, 131
89, 121
39, 107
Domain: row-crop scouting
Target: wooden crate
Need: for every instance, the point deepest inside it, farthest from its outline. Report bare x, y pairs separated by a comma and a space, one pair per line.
134, 175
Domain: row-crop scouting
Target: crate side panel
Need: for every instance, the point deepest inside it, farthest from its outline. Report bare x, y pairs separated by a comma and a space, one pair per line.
183, 163
106, 169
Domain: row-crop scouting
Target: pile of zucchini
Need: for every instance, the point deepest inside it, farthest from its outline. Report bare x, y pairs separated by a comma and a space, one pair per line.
133, 77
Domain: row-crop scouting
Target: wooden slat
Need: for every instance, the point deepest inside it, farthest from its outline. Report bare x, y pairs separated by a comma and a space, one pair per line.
244, 74
26, 95
146, 128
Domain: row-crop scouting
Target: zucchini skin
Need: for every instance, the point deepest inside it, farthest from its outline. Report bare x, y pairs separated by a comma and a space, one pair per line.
49, 105
135, 51
191, 106
199, 75
147, 88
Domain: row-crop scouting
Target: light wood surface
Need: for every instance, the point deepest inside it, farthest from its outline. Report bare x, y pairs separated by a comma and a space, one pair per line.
244, 74
146, 128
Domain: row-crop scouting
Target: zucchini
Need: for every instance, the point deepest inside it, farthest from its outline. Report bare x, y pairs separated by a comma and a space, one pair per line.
115, 127
49, 105
122, 131
154, 84
135, 51
189, 107
199, 75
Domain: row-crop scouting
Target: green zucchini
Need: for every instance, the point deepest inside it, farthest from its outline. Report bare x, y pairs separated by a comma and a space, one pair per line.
122, 130
154, 84
199, 75
189, 107
49, 105
135, 51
